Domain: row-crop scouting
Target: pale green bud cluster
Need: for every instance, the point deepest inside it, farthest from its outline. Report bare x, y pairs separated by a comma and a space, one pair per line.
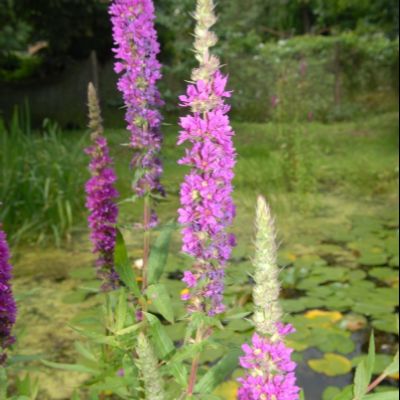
153, 383
95, 120
205, 39
267, 286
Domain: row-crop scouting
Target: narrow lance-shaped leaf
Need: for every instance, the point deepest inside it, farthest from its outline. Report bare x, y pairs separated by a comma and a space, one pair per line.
364, 372
123, 266
160, 298
162, 342
159, 254
219, 373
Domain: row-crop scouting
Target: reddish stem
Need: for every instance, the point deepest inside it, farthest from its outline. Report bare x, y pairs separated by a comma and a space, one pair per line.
376, 383
195, 365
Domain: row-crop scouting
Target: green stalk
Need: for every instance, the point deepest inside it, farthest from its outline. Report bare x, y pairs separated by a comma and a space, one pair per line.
3, 383
147, 241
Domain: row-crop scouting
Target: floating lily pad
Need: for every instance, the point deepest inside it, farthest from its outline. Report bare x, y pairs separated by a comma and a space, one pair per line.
228, 390
372, 259
386, 323
332, 317
331, 392
331, 365
384, 274
294, 305
394, 262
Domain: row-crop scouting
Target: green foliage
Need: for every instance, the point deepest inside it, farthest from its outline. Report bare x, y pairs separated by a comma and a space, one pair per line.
42, 176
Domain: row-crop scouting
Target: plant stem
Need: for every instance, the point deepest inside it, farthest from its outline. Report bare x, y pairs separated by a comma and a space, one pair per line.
376, 383
3, 383
195, 364
146, 245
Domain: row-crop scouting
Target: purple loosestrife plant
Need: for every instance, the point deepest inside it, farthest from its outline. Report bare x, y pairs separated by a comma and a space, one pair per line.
206, 195
101, 195
8, 308
270, 370
136, 50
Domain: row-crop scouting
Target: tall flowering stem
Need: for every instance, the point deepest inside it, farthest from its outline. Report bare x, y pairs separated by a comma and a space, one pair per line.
100, 197
270, 370
153, 382
136, 50
8, 308
206, 195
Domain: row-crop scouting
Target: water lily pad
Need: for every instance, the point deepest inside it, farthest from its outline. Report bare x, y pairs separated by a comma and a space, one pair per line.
330, 393
294, 305
228, 390
339, 303
384, 274
394, 262
372, 259
309, 262
356, 275
331, 365
331, 316
386, 323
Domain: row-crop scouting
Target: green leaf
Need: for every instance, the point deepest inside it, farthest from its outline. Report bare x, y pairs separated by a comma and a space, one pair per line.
219, 372
331, 392
393, 395
159, 254
331, 365
124, 267
122, 310
161, 341
393, 368
364, 371
361, 381
85, 352
72, 367
180, 373
160, 298
129, 329
346, 394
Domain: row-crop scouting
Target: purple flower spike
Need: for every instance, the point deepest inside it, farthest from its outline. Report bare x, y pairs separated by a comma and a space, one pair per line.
136, 49
8, 308
270, 369
207, 208
100, 198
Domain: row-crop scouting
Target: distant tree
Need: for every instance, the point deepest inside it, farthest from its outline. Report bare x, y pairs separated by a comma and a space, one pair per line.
73, 28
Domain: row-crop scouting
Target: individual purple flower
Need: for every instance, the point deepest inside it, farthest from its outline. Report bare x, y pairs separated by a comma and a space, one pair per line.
8, 308
207, 209
270, 369
100, 198
136, 49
